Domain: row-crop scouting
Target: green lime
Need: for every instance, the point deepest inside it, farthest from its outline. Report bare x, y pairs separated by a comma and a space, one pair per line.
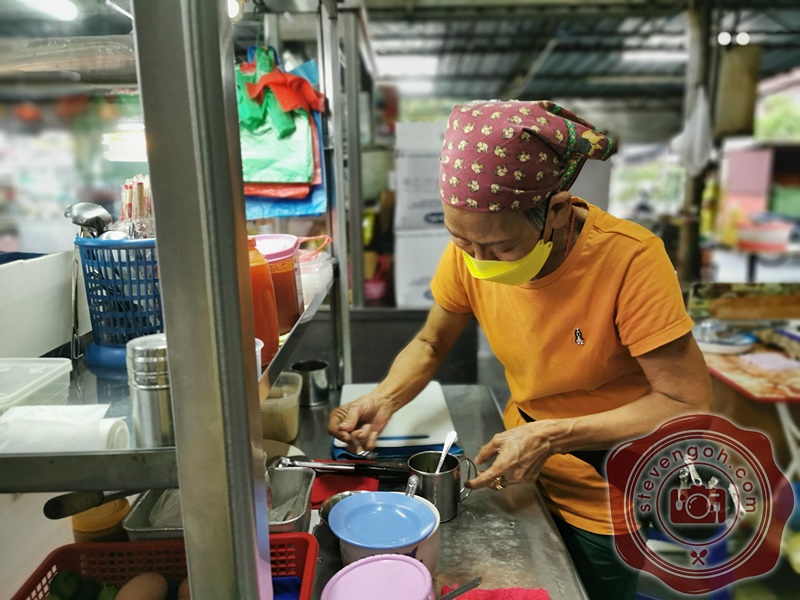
109, 592
88, 590
65, 584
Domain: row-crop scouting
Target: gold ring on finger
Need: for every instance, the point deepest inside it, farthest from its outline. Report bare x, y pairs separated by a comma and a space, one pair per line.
498, 484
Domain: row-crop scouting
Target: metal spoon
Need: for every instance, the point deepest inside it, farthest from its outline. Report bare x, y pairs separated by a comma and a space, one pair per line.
448, 442
114, 235
411, 486
463, 589
90, 216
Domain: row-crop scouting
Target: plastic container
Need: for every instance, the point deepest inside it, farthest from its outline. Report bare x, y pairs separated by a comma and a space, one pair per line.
291, 554
33, 381
281, 252
771, 236
265, 310
316, 270
388, 577
123, 293
103, 523
280, 411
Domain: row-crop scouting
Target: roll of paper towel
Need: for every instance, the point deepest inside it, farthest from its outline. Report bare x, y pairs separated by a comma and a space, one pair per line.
79, 428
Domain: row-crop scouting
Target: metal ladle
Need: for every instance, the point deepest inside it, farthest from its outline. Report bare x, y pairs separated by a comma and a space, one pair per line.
90, 216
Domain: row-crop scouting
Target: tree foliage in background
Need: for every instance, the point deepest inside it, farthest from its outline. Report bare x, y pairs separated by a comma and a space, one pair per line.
778, 118
660, 181
427, 109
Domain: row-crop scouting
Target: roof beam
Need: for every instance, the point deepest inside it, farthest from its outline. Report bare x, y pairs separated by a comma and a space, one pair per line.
520, 81
573, 35
523, 12
566, 49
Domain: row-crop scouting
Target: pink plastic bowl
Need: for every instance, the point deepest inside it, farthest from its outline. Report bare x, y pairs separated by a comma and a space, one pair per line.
387, 576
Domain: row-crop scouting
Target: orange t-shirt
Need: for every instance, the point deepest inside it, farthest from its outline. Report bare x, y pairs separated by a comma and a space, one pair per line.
618, 288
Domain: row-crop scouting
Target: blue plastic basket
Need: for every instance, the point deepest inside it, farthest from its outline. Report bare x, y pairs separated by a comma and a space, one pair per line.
122, 290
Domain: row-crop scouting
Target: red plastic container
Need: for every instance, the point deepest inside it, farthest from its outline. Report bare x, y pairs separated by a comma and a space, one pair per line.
281, 252
291, 554
265, 311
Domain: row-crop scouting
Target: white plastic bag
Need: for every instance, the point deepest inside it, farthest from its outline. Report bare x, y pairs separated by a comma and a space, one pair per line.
166, 511
695, 143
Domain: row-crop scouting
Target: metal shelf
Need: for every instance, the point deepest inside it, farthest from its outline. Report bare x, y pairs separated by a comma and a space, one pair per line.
135, 469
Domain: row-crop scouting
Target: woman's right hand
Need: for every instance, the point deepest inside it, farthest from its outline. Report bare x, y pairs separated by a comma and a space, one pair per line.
358, 423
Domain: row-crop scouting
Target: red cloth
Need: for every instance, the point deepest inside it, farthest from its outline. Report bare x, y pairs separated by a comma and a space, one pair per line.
292, 91
294, 191
501, 594
327, 484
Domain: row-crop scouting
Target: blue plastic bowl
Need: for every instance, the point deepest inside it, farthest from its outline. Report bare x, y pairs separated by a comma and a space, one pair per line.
381, 520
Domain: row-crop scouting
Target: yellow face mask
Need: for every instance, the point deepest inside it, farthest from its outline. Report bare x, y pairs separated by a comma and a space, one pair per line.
514, 272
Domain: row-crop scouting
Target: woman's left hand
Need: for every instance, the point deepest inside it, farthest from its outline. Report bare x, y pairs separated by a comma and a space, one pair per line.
519, 455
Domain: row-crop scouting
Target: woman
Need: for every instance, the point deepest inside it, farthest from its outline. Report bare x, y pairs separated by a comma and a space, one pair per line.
583, 310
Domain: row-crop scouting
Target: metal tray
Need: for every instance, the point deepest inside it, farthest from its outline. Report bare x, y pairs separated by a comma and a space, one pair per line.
291, 487
137, 523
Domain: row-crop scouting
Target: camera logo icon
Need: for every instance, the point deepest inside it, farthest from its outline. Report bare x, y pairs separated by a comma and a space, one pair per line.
697, 505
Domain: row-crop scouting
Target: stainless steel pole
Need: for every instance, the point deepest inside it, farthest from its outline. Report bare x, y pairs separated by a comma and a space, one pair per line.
352, 86
186, 76
332, 80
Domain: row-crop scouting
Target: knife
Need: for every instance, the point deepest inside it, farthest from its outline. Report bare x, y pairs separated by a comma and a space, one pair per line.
596, 458
463, 589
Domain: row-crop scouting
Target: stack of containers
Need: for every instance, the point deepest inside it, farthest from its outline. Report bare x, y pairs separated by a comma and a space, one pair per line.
420, 236
33, 381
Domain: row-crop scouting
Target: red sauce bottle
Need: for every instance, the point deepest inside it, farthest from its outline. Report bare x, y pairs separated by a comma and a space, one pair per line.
264, 307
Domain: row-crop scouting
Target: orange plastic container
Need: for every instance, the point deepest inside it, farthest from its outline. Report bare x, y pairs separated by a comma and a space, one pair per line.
291, 554
265, 311
281, 252
103, 523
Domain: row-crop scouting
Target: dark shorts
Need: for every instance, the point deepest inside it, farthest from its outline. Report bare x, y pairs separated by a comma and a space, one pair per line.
602, 572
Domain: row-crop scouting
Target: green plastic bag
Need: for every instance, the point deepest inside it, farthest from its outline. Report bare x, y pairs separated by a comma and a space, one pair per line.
275, 145
266, 158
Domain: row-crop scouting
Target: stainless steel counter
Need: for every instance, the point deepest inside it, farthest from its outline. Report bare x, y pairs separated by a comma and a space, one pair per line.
508, 537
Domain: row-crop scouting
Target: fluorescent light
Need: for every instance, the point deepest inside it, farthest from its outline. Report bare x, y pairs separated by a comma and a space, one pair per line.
413, 87
743, 38
654, 56
234, 10
130, 126
398, 66
724, 38
63, 10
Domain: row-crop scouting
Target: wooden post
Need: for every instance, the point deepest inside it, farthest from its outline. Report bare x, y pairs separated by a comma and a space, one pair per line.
697, 76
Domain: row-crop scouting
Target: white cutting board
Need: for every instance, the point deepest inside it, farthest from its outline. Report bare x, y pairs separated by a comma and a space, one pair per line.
422, 422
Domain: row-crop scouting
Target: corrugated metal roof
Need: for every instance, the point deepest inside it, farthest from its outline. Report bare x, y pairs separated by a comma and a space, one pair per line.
481, 50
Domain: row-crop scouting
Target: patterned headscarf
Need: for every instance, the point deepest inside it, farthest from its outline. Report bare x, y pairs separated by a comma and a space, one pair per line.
502, 156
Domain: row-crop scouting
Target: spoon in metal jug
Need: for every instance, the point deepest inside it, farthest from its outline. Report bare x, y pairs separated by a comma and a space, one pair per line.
448, 442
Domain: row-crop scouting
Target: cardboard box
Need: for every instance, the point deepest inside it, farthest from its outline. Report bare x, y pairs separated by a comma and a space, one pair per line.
420, 137
417, 254
36, 305
418, 204
594, 183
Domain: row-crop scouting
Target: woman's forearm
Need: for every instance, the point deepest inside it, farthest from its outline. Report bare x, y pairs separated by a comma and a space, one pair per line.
605, 430
410, 372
